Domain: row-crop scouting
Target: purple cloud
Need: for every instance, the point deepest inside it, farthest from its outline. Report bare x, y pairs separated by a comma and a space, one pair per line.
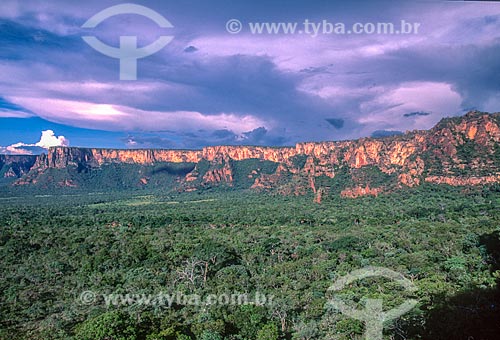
247, 88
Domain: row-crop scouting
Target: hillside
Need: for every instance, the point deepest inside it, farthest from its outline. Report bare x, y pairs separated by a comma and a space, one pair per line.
458, 151
15, 166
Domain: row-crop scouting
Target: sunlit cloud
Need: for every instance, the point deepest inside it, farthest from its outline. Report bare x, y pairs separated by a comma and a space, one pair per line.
47, 140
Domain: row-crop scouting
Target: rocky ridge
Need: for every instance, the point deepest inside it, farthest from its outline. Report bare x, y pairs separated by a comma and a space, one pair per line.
458, 151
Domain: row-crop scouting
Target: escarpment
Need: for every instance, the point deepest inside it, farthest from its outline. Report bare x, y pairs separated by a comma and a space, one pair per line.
459, 151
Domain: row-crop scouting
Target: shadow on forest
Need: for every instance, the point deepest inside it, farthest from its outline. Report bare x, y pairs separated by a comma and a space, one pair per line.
177, 169
470, 315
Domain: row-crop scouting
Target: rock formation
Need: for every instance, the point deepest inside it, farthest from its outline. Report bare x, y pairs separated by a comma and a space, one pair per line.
458, 151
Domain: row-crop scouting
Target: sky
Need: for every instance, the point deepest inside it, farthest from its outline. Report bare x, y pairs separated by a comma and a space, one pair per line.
209, 86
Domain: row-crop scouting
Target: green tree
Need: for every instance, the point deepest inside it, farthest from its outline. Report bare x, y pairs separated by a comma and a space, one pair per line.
209, 335
268, 332
114, 325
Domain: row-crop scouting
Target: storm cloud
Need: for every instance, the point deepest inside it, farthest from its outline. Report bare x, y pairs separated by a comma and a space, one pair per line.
210, 87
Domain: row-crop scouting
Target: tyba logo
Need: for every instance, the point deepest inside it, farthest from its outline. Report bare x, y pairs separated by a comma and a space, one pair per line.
128, 52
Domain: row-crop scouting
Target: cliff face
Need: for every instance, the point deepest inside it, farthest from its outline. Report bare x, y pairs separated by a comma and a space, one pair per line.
62, 157
457, 151
239, 153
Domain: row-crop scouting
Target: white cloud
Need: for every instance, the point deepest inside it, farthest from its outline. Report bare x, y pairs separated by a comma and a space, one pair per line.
15, 149
47, 140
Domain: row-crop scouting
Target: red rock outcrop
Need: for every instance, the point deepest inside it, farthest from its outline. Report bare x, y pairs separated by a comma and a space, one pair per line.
61, 157
222, 174
463, 181
360, 191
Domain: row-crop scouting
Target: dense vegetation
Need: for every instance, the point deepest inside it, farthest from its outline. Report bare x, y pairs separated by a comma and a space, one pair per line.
55, 247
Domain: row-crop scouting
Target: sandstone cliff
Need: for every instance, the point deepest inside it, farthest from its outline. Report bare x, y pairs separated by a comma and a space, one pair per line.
457, 151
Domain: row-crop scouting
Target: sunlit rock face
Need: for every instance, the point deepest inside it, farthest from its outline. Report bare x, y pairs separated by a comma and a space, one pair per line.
458, 151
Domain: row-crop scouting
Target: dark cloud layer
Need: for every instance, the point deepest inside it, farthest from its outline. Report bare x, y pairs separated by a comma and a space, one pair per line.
417, 113
209, 87
337, 123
